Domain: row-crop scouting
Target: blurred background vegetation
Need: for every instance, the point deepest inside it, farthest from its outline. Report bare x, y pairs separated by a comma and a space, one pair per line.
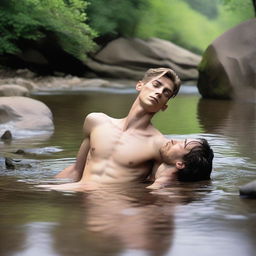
82, 26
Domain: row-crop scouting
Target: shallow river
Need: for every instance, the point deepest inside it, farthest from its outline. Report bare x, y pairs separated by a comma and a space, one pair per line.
205, 218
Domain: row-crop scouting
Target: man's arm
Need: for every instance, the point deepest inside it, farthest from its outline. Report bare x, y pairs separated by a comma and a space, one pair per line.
75, 171
164, 176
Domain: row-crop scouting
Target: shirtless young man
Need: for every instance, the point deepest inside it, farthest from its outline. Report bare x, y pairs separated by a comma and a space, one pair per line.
123, 150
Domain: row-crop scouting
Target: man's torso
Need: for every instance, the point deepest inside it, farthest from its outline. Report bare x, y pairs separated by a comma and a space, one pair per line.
120, 156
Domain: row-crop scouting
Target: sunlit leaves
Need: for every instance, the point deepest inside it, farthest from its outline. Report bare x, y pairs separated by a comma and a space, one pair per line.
30, 19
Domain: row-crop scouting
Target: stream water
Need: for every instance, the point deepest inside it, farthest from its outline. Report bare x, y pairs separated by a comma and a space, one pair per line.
203, 218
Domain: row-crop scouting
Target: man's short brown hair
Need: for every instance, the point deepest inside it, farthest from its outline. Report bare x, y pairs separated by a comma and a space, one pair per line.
167, 72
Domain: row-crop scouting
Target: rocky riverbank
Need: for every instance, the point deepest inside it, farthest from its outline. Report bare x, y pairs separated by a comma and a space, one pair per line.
119, 64
23, 82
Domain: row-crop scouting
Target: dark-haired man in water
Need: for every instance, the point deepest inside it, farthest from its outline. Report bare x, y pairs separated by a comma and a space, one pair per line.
123, 150
185, 160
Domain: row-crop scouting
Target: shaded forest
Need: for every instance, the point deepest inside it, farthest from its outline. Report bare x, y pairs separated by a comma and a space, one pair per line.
79, 28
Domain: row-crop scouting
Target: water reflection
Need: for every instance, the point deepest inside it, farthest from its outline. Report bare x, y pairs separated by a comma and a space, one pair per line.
106, 222
233, 119
38, 240
137, 220
119, 221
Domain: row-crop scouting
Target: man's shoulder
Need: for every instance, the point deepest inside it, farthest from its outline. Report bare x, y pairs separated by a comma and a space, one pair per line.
156, 134
159, 140
94, 119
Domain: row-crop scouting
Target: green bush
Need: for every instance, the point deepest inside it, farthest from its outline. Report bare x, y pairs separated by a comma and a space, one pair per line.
32, 19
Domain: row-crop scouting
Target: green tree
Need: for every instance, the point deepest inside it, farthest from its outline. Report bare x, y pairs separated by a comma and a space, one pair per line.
32, 19
115, 17
233, 4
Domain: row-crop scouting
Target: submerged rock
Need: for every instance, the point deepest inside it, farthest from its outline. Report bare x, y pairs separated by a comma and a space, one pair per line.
37, 151
20, 152
9, 163
7, 135
16, 163
248, 189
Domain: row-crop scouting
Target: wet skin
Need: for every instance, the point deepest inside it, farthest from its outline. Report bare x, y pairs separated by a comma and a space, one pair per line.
121, 150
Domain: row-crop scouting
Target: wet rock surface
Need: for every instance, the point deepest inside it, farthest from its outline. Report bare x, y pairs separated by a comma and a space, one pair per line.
18, 164
248, 190
7, 136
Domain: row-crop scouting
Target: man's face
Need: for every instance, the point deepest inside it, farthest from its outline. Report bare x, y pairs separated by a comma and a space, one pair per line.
155, 94
174, 150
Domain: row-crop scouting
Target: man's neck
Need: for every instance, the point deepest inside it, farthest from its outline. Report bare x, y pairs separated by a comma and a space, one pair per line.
138, 117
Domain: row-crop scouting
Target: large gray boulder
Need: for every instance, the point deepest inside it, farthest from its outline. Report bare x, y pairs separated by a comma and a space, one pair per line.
228, 67
24, 116
130, 57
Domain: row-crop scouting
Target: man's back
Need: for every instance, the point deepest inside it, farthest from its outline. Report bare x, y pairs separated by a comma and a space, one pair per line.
117, 154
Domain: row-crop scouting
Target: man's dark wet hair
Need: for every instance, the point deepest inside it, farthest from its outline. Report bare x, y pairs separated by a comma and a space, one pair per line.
198, 163
167, 72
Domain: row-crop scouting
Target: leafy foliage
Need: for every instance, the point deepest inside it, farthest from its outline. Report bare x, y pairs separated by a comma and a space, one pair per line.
116, 17
235, 4
192, 24
31, 19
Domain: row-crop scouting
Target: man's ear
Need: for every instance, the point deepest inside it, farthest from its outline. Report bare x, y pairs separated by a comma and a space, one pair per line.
164, 107
139, 86
180, 165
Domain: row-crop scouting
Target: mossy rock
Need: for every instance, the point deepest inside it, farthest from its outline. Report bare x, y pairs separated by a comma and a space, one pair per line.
227, 69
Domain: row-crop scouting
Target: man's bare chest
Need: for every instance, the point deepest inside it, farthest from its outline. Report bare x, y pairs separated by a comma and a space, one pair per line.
125, 148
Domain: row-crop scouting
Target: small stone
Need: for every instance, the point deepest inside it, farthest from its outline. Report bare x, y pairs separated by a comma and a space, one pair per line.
26, 73
9, 163
20, 152
7, 135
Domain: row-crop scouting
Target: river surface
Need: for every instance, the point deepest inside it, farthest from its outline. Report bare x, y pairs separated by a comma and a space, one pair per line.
201, 219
